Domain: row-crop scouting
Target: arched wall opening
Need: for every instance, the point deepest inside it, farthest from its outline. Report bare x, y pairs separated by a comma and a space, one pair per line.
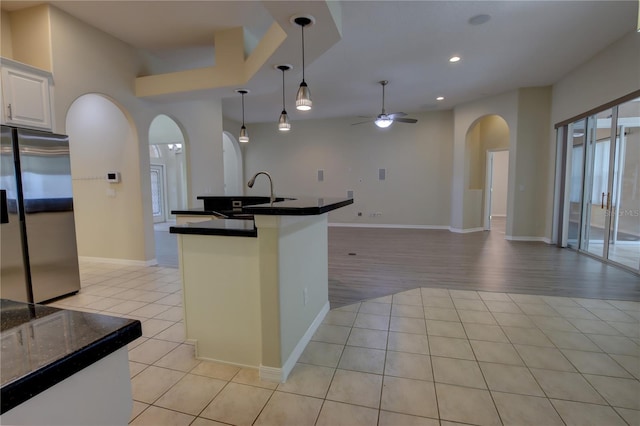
109, 216
168, 151
233, 165
486, 171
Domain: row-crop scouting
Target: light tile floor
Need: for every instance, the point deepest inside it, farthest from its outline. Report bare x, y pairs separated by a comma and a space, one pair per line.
420, 357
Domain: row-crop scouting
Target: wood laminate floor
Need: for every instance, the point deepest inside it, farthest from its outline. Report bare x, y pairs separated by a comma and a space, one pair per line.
366, 263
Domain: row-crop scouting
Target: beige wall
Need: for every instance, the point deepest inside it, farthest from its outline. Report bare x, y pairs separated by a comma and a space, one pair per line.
490, 133
530, 157
30, 36
6, 46
86, 60
466, 204
202, 123
417, 159
608, 75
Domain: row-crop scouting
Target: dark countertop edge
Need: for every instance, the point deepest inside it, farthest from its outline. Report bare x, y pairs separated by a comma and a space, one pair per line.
26, 387
194, 230
273, 210
194, 212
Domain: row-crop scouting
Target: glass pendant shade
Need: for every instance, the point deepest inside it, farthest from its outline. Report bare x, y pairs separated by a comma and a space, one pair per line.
244, 135
283, 122
303, 98
383, 121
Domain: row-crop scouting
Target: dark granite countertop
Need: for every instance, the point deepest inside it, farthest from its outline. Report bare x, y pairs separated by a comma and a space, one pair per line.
301, 206
219, 214
42, 345
228, 227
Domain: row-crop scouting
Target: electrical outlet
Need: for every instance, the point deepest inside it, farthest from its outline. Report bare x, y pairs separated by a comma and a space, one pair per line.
305, 296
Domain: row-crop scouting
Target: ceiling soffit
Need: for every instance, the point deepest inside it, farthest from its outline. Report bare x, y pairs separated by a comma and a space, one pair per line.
231, 69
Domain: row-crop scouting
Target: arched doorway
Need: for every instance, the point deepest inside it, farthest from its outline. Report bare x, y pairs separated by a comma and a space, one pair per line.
487, 172
233, 171
109, 215
168, 168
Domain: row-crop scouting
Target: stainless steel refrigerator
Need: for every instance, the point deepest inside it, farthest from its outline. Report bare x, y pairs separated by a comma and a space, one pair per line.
38, 251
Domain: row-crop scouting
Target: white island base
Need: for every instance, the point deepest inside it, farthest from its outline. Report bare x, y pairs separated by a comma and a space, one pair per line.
256, 301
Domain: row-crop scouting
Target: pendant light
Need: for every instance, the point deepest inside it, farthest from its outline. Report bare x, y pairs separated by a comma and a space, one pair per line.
283, 121
244, 135
303, 98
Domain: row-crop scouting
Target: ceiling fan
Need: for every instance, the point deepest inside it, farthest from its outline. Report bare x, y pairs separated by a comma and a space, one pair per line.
385, 120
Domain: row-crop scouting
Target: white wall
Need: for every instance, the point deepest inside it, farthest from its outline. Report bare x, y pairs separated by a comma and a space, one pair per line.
417, 159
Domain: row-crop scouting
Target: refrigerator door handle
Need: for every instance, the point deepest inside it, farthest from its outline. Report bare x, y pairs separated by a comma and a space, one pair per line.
4, 207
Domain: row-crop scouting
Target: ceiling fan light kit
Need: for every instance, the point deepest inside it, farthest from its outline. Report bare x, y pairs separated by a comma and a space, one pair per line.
384, 120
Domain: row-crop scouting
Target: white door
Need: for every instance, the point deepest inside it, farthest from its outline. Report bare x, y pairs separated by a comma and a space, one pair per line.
496, 186
157, 193
26, 98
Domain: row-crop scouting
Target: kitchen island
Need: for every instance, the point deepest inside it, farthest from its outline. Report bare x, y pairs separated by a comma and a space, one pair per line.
63, 367
256, 290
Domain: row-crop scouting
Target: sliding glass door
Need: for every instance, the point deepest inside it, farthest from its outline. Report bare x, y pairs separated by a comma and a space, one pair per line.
596, 207
602, 185
624, 234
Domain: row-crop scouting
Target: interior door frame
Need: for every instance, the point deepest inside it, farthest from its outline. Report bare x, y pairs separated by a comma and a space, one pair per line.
163, 193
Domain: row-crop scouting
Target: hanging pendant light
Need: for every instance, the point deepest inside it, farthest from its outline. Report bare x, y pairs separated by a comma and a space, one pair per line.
303, 97
244, 135
283, 121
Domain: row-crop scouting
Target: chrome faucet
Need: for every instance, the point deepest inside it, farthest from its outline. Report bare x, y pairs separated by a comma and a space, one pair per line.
253, 180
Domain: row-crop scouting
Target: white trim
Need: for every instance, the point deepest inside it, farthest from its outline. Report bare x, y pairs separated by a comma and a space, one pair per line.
127, 262
498, 215
465, 231
270, 374
385, 225
280, 374
540, 239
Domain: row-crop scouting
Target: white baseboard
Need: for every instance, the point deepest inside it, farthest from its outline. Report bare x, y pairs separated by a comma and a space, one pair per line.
385, 225
498, 215
127, 262
466, 230
280, 374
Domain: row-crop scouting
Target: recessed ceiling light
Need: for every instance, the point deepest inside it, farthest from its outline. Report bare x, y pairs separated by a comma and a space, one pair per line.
479, 19
440, 98
454, 59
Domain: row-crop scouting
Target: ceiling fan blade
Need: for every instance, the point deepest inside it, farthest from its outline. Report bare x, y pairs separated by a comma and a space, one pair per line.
397, 114
362, 122
405, 120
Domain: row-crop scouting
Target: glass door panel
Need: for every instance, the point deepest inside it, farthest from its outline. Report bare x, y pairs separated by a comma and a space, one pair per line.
575, 162
624, 237
597, 193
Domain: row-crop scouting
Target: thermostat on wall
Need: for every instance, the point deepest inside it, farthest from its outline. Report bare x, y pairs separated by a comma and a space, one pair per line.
113, 177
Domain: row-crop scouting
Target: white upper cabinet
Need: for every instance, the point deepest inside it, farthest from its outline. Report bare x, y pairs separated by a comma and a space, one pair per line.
26, 96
